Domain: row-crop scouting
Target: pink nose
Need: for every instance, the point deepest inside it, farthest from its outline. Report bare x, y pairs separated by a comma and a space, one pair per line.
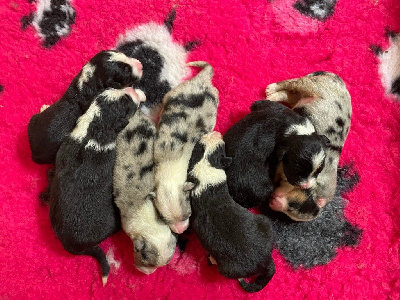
306, 185
147, 270
180, 227
216, 134
276, 203
130, 91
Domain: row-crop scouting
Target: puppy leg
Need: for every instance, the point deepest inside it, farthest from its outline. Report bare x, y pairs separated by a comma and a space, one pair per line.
281, 96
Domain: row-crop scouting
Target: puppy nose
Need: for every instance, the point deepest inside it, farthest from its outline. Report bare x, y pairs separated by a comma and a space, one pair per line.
180, 227
276, 203
130, 91
308, 184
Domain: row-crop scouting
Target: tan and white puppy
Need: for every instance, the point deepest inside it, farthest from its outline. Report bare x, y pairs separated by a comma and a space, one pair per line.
323, 98
154, 243
189, 111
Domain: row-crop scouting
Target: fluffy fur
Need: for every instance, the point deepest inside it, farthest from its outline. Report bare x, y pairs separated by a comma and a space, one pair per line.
47, 129
239, 241
189, 111
269, 134
154, 243
163, 59
82, 210
322, 98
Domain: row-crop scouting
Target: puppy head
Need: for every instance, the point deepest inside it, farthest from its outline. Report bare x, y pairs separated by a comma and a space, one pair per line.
298, 204
155, 244
115, 69
303, 158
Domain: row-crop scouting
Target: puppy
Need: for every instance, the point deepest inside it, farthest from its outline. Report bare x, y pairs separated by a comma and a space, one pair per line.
271, 133
322, 98
154, 243
107, 69
239, 242
163, 59
189, 111
82, 210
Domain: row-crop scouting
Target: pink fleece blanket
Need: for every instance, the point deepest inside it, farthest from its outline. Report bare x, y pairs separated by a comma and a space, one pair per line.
250, 44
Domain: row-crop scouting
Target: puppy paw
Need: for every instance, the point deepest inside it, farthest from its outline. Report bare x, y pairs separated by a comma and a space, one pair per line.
278, 96
44, 107
272, 88
211, 260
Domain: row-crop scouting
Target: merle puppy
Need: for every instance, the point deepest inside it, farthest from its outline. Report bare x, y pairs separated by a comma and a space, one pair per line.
154, 243
239, 242
271, 133
82, 210
107, 69
321, 97
163, 59
190, 111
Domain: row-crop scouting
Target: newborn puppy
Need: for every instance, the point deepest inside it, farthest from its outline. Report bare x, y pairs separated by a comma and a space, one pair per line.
271, 133
189, 111
154, 243
239, 241
322, 98
107, 69
82, 210
163, 59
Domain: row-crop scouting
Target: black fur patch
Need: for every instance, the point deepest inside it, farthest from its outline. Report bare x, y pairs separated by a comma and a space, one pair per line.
390, 33
376, 49
169, 21
339, 106
395, 89
1, 88
146, 169
339, 122
191, 45
192, 100
181, 137
130, 175
170, 118
308, 244
316, 9
142, 148
141, 130
26, 21
318, 73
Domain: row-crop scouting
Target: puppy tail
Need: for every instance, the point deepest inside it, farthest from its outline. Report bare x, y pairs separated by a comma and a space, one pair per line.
261, 281
207, 72
98, 254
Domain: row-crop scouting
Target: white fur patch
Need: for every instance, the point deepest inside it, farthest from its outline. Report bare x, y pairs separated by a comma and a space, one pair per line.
158, 37
113, 95
207, 176
82, 125
111, 260
301, 129
118, 56
317, 159
389, 67
96, 146
87, 72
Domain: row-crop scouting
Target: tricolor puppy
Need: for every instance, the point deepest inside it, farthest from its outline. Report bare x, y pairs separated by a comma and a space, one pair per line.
269, 134
189, 111
154, 243
107, 69
322, 98
239, 242
163, 59
82, 210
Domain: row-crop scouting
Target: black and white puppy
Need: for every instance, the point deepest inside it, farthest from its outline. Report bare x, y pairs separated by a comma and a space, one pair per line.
154, 243
268, 134
239, 242
163, 59
107, 69
189, 111
82, 210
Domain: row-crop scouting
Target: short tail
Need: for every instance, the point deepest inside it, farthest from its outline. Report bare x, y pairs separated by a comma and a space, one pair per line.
98, 254
261, 281
207, 72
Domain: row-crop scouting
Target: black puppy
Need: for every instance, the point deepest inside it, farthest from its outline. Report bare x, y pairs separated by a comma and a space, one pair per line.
268, 134
239, 242
107, 69
82, 210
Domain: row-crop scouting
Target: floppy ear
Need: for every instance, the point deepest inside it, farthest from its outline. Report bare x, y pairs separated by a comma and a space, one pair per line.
188, 186
138, 244
151, 196
226, 161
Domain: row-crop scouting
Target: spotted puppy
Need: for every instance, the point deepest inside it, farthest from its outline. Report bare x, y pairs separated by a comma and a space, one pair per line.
82, 210
107, 69
322, 98
239, 242
154, 243
271, 133
163, 59
189, 111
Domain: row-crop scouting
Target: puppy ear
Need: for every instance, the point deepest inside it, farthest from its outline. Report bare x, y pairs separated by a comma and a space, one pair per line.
325, 140
138, 244
188, 186
226, 161
151, 196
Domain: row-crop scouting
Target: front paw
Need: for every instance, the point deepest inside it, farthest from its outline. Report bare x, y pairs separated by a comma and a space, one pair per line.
272, 88
44, 107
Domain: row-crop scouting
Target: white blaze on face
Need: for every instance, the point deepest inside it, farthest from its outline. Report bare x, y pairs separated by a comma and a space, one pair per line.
134, 63
87, 73
158, 37
301, 129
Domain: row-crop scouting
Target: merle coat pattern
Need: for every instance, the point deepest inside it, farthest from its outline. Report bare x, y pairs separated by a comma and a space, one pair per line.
239, 241
189, 111
323, 98
268, 134
154, 243
47, 129
82, 210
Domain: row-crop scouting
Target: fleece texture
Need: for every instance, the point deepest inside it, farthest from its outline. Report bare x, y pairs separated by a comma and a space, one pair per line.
250, 45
